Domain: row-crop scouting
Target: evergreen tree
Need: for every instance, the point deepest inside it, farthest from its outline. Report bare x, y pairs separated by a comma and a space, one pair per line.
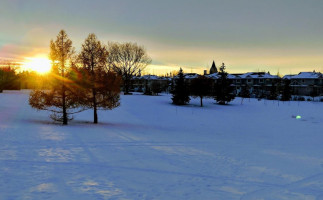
244, 93
223, 91
314, 92
102, 88
62, 98
8, 79
287, 90
156, 87
180, 93
273, 91
201, 87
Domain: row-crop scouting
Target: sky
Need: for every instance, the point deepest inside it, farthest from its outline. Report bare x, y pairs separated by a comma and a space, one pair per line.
284, 36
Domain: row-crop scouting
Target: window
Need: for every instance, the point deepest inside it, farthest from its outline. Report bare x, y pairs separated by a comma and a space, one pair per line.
249, 80
238, 81
261, 80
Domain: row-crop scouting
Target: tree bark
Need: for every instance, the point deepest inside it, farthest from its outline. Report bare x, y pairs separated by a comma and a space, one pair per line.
95, 107
64, 106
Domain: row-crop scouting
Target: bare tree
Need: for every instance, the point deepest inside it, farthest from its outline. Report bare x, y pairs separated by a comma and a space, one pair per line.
201, 87
104, 86
127, 59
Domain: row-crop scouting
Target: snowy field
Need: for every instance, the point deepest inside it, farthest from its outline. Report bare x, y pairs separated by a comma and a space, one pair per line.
150, 149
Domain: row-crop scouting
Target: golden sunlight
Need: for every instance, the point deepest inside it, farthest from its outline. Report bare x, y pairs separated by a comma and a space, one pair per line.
41, 65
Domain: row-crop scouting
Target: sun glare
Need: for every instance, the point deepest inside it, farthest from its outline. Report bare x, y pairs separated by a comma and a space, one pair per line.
41, 65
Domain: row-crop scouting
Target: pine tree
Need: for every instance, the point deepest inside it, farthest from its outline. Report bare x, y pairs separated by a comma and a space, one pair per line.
287, 91
244, 93
62, 98
223, 91
156, 87
102, 88
273, 91
314, 92
201, 87
180, 93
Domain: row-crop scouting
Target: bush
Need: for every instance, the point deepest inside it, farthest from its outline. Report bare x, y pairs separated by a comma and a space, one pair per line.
301, 99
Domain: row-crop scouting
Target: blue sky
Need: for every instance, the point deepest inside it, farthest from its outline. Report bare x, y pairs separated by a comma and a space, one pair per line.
247, 35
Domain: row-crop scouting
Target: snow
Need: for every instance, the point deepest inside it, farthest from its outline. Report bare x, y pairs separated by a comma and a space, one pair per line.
261, 75
305, 75
216, 76
150, 149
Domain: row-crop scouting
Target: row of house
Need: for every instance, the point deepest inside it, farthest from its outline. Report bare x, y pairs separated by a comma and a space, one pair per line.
258, 83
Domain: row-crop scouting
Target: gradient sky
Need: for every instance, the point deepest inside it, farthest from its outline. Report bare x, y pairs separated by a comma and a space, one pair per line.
247, 35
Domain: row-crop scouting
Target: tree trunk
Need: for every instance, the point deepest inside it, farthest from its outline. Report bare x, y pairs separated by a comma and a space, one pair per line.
201, 98
64, 107
95, 113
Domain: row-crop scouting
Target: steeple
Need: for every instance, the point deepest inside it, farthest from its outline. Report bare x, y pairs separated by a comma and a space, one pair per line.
213, 68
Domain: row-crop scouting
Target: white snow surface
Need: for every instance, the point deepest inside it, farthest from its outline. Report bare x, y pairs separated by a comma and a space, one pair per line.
305, 75
151, 149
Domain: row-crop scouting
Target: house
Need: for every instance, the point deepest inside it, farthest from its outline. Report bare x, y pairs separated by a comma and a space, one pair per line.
306, 83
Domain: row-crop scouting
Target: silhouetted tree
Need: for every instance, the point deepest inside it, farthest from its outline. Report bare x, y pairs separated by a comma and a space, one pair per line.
147, 88
287, 90
223, 89
244, 93
180, 92
127, 59
8, 76
62, 98
273, 91
156, 87
201, 87
102, 88
314, 92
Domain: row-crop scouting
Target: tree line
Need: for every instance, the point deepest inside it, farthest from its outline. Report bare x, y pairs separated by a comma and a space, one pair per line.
203, 87
222, 90
90, 79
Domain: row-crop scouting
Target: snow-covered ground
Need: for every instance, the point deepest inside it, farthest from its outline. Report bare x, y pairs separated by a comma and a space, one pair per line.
150, 149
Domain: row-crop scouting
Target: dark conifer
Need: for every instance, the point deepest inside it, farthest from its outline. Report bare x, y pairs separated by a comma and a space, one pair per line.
287, 91
273, 91
223, 91
180, 92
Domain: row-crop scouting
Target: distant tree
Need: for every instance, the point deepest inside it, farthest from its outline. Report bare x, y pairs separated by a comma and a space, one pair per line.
156, 87
62, 98
102, 88
180, 92
9, 79
314, 93
273, 91
147, 88
127, 59
223, 89
244, 93
201, 87
286, 91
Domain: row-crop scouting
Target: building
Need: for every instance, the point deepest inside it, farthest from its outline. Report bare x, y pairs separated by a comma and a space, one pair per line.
306, 83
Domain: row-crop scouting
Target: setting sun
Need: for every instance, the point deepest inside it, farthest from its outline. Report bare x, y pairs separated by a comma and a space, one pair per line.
41, 65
